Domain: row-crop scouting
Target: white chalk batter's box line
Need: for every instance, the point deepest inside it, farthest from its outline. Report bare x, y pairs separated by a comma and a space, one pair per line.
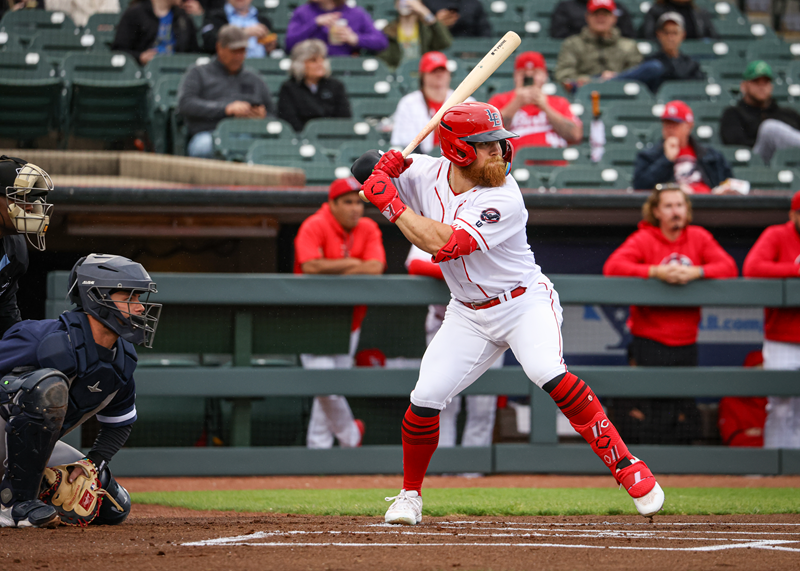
488, 529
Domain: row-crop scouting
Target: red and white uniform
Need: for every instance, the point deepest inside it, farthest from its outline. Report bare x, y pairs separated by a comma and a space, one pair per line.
776, 254
673, 326
531, 123
471, 340
321, 236
481, 409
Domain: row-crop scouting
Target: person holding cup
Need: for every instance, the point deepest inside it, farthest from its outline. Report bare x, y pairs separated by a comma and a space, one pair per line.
345, 30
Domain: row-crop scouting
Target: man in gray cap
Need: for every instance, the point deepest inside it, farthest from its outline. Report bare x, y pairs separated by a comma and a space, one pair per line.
221, 88
670, 32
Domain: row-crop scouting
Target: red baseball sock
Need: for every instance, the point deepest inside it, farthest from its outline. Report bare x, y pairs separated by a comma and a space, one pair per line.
582, 407
420, 439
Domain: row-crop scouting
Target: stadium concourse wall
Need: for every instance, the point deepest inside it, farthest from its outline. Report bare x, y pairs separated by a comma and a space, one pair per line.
242, 295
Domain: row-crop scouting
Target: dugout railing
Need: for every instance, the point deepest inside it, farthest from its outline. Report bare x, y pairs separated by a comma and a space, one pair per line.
240, 298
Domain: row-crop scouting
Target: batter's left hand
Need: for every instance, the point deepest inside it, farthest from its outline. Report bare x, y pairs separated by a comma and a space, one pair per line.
393, 163
380, 191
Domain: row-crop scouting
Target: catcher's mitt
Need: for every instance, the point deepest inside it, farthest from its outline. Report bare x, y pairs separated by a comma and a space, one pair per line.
77, 502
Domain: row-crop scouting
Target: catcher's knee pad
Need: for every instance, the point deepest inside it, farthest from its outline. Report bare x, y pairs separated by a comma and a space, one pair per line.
34, 405
109, 514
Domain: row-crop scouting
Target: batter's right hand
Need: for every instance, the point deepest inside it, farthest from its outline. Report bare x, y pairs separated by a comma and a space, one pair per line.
380, 191
393, 163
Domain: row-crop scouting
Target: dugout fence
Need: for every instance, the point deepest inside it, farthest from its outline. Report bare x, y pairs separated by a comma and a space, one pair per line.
234, 337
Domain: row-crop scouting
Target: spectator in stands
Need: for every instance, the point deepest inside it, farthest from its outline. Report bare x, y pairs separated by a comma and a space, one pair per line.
261, 40
14, 5
665, 247
698, 21
415, 32
776, 254
569, 17
756, 120
670, 32
540, 120
221, 88
464, 18
481, 409
416, 109
346, 31
679, 157
80, 10
338, 240
151, 27
599, 51
310, 92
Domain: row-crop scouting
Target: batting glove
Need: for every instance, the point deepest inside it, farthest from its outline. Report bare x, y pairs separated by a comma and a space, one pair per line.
393, 163
380, 191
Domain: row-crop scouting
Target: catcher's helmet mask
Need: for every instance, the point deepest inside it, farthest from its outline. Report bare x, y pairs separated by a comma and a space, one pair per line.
95, 277
26, 187
467, 123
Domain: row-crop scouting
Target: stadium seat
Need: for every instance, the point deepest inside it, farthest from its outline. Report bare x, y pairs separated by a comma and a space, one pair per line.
614, 91
619, 156
774, 52
330, 134
530, 177
505, 20
786, 158
30, 92
233, 137
726, 71
273, 71
373, 111
733, 29
537, 157
705, 51
175, 64
279, 13
766, 178
107, 96
783, 94
589, 177
743, 157
321, 174
368, 87
57, 44
349, 152
283, 153
693, 91
103, 27
28, 23
164, 101
347, 67
406, 77
640, 115
11, 42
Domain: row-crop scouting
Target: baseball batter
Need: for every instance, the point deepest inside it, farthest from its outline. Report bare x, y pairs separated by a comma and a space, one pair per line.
467, 213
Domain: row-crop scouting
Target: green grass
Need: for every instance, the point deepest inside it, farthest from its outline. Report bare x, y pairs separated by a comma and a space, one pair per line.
485, 501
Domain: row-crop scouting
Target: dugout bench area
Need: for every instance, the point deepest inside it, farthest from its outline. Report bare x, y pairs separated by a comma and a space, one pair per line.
235, 338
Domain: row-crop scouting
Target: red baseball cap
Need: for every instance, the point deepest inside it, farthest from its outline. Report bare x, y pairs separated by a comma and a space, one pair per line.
796, 201
678, 112
595, 5
530, 60
342, 186
431, 61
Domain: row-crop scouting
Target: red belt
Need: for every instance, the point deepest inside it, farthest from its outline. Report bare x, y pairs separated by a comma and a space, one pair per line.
494, 301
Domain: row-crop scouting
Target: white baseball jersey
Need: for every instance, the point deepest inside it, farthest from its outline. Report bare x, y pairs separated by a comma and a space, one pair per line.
494, 217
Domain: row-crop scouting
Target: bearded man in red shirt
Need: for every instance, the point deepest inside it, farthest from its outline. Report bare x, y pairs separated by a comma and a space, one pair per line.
776, 254
666, 247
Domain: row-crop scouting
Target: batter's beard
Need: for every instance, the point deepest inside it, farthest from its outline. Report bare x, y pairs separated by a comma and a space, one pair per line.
491, 174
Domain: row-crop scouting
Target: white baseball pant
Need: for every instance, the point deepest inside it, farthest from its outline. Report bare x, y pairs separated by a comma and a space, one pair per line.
782, 427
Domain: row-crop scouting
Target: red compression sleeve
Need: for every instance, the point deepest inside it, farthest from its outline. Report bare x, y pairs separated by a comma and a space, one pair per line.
423, 268
461, 243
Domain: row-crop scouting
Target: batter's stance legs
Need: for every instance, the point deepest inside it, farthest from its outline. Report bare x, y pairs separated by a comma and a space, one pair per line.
582, 407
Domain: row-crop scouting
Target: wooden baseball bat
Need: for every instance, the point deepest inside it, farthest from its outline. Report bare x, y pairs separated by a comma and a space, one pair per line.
479, 74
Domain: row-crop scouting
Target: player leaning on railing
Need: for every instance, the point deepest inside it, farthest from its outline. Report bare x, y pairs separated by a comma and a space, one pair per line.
58, 373
468, 213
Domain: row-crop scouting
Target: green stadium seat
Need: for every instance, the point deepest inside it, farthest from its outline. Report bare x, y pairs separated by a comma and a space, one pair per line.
473, 48
773, 52
321, 174
530, 177
233, 137
786, 158
743, 157
107, 96
164, 101
30, 92
57, 44
707, 134
766, 178
692, 91
28, 23
348, 67
632, 114
11, 42
614, 92
619, 156
702, 51
724, 71
733, 29
273, 71
589, 177
364, 87
537, 157
373, 111
505, 21
783, 94
175, 64
329, 134
279, 14
349, 152
279, 152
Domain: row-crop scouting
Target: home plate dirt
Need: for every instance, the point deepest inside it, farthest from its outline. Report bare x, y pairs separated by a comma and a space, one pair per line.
156, 538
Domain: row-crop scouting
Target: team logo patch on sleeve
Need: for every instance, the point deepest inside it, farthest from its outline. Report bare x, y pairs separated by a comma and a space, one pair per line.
490, 215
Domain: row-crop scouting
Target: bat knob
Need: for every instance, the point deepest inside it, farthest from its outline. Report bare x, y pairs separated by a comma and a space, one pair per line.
363, 196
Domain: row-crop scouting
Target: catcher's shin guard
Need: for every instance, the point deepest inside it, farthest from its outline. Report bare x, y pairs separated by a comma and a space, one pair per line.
109, 513
33, 405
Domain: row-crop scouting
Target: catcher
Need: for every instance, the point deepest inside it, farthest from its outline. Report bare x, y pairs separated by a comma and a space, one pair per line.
57, 373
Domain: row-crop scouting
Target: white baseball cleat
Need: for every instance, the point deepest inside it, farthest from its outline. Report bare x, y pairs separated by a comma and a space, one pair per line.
650, 503
406, 508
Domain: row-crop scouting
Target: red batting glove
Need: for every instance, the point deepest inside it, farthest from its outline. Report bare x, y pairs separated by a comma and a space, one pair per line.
380, 191
393, 163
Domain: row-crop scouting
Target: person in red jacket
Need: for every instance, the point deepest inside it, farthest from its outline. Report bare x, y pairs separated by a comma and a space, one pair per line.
776, 254
338, 240
665, 247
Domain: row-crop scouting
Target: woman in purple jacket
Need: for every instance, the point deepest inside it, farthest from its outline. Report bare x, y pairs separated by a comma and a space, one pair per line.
345, 30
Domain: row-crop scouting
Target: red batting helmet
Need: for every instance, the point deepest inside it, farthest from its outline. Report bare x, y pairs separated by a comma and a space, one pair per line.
468, 123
